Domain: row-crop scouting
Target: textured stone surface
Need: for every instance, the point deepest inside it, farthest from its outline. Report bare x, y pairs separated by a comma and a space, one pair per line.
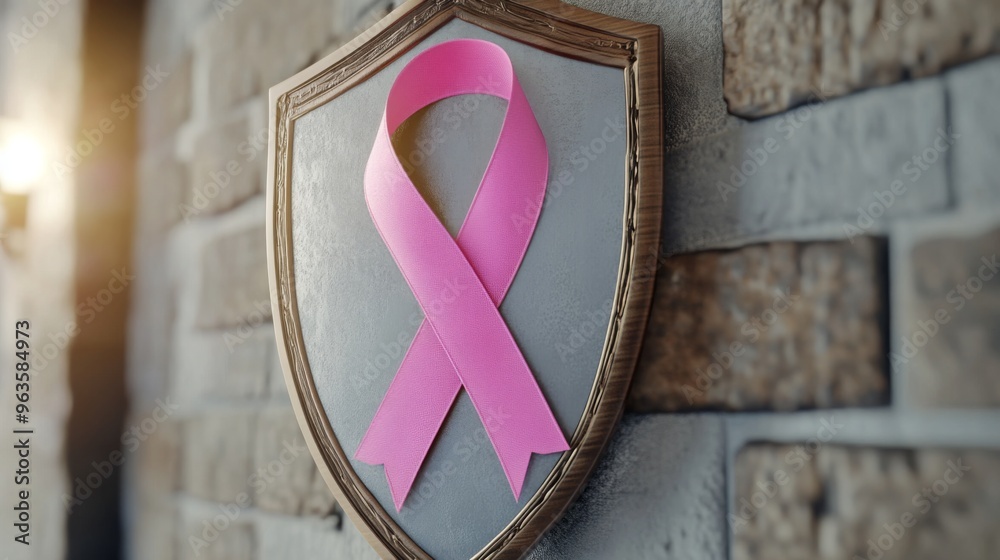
353, 17
168, 105
972, 95
820, 164
225, 167
206, 532
809, 502
154, 471
157, 458
659, 493
257, 44
217, 453
232, 364
234, 288
778, 54
946, 346
773, 326
692, 61
331, 537
163, 183
319, 500
282, 461
153, 307
153, 531
170, 25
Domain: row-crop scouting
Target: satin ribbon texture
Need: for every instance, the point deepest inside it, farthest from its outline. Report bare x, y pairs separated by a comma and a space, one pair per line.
463, 340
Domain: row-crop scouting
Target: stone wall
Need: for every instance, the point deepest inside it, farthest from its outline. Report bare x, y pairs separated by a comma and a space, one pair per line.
824, 339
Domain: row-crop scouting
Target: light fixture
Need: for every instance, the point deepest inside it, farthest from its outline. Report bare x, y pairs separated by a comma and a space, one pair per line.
22, 164
22, 159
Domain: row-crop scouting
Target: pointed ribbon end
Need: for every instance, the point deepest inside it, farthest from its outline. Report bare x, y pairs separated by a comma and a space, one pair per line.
399, 477
516, 464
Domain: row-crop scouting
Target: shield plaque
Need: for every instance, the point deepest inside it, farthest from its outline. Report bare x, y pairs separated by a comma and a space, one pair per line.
463, 221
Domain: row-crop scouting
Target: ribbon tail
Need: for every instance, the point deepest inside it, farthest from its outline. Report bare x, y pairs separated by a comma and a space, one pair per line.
399, 474
411, 414
515, 445
516, 461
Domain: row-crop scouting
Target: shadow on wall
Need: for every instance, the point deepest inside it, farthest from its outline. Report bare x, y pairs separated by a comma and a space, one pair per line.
96, 447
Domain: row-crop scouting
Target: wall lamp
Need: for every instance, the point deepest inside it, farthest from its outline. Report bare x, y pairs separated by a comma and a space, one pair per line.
22, 164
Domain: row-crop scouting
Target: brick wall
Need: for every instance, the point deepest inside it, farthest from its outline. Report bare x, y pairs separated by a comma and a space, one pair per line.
823, 345
202, 344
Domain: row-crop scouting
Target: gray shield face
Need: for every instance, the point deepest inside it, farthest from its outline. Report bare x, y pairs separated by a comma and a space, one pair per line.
357, 315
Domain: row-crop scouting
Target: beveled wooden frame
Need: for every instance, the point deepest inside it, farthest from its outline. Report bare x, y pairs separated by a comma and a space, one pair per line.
549, 25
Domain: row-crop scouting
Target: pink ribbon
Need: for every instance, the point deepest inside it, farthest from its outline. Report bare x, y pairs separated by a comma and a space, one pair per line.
459, 283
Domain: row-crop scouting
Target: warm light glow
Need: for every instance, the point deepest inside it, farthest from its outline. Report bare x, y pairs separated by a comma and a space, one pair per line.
22, 160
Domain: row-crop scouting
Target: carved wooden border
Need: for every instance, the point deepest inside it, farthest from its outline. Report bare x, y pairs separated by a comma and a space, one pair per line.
546, 24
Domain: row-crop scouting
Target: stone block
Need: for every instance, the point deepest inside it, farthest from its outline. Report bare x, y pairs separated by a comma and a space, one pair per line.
778, 53
152, 313
852, 164
217, 455
658, 493
330, 537
162, 188
226, 167
168, 105
285, 470
235, 364
945, 350
780, 326
234, 287
214, 532
974, 113
254, 44
799, 502
153, 531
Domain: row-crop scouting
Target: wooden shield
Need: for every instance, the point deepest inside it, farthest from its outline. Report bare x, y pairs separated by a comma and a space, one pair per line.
344, 316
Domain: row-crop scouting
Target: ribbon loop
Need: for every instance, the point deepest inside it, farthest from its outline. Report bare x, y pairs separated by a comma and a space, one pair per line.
466, 342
